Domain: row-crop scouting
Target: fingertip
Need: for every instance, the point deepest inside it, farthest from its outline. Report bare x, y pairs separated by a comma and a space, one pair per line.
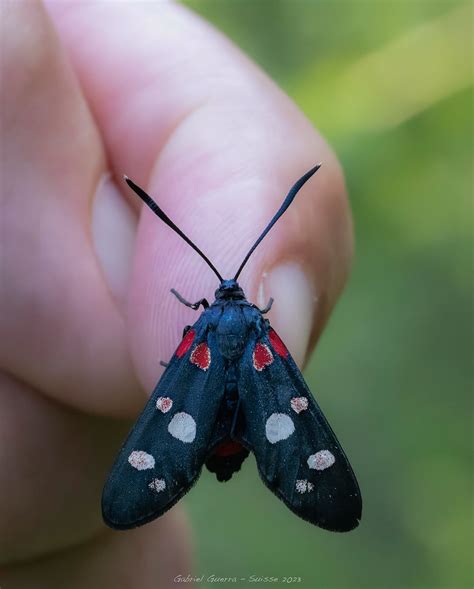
114, 227
295, 305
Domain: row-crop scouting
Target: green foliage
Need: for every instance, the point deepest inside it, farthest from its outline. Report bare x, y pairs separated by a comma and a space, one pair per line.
393, 371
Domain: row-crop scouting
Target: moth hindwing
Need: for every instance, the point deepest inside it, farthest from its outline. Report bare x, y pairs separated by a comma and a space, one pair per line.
231, 388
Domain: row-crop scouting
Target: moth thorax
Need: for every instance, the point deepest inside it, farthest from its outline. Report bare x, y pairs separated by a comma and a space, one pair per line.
231, 332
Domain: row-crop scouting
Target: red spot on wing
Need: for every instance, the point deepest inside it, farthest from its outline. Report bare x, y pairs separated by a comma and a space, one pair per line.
277, 344
186, 343
262, 357
228, 448
201, 356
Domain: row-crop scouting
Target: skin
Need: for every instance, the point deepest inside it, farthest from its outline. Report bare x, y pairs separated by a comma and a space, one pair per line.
150, 90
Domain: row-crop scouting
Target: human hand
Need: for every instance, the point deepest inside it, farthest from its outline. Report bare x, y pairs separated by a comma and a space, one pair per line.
152, 91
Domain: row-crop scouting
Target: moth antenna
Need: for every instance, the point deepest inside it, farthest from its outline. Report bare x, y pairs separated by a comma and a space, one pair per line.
286, 203
159, 213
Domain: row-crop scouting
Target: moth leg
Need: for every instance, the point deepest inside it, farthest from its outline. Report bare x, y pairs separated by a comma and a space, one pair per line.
194, 306
268, 307
165, 364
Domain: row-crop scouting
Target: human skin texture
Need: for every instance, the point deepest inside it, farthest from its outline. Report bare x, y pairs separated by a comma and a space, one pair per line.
91, 91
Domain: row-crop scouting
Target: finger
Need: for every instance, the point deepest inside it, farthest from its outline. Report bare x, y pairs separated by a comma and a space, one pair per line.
144, 558
54, 461
218, 145
62, 330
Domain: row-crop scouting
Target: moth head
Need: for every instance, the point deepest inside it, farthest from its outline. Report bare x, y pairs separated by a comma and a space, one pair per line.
229, 289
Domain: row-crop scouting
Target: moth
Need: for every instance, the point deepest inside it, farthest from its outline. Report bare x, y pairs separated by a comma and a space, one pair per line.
231, 388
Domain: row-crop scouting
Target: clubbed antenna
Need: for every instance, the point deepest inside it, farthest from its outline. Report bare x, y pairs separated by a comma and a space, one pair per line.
286, 203
159, 213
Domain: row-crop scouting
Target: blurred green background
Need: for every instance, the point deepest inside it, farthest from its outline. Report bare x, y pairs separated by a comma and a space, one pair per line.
389, 83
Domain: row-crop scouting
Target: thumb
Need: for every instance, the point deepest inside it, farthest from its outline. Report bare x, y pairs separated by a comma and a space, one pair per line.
217, 145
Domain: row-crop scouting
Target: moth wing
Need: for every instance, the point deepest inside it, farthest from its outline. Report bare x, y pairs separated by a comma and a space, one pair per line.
165, 450
298, 456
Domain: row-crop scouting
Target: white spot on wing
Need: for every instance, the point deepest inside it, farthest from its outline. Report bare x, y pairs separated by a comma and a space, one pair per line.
157, 485
299, 404
164, 404
141, 460
183, 427
304, 486
279, 427
321, 460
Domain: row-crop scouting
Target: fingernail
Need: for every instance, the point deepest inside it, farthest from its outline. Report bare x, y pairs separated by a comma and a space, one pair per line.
294, 306
113, 233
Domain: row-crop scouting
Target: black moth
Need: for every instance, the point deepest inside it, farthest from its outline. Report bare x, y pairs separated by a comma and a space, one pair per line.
231, 388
